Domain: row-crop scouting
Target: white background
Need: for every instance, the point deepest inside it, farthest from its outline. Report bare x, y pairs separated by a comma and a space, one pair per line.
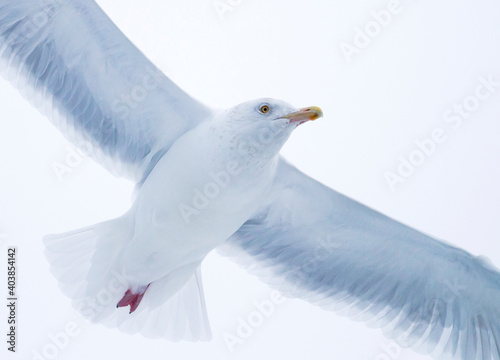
396, 90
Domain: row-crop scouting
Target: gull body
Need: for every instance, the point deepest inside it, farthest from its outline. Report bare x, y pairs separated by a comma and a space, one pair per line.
303, 238
213, 179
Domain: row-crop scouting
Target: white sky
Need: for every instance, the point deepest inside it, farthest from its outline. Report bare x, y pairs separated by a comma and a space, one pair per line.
396, 90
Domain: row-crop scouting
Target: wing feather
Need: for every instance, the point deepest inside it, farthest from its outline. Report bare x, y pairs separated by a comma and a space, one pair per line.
316, 244
75, 65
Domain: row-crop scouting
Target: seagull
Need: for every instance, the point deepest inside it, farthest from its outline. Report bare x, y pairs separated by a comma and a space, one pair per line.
214, 179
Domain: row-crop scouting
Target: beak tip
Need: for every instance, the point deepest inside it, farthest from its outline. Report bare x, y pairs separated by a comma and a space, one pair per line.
306, 114
316, 112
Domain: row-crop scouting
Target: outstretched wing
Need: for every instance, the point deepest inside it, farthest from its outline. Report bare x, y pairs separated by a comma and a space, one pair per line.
316, 244
75, 65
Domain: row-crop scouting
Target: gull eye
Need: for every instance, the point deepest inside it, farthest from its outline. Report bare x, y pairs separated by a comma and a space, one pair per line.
264, 109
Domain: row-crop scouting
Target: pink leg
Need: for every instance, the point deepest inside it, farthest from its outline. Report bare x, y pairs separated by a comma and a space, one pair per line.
132, 299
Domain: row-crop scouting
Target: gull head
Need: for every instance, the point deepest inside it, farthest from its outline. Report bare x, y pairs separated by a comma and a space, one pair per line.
264, 125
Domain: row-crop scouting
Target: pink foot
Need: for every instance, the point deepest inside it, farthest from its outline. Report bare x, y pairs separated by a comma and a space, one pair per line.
132, 299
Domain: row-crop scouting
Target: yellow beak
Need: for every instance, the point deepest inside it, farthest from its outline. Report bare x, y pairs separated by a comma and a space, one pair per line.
306, 114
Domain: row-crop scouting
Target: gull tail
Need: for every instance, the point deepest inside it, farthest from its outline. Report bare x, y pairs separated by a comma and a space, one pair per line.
86, 264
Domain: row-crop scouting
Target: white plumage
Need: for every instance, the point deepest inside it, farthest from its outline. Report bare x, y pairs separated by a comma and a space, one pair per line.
69, 59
